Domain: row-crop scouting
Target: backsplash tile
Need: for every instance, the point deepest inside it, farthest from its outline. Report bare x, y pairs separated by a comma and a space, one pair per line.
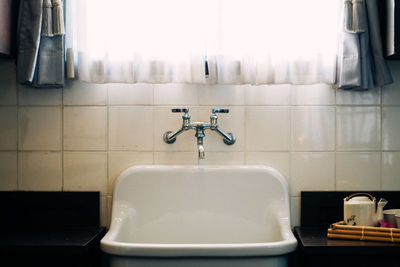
130, 128
83, 136
222, 95
176, 158
367, 97
391, 128
175, 94
358, 128
8, 128
358, 171
130, 94
8, 170
267, 128
40, 171
313, 128
278, 94
390, 171
39, 128
85, 128
85, 171
80, 93
311, 95
39, 97
312, 171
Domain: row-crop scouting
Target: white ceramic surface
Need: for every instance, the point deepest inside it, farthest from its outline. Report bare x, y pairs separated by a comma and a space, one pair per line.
201, 211
362, 210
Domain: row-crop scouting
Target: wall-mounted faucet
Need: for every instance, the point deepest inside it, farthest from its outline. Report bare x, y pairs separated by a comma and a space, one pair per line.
199, 126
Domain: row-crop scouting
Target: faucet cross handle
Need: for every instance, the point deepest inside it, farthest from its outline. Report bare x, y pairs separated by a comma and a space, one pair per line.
177, 110
185, 117
220, 110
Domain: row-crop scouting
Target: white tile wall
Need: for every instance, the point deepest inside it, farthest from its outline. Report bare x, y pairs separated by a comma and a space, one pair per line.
358, 128
391, 171
313, 128
8, 170
130, 128
40, 171
39, 128
8, 84
85, 128
81, 93
39, 97
368, 97
8, 128
130, 94
312, 171
267, 128
268, 95
318, 94
358, 171
83, 136
175, 94
391, 128
85, 171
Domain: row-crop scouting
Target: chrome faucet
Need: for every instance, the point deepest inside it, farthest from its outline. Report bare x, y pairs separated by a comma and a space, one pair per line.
199, 126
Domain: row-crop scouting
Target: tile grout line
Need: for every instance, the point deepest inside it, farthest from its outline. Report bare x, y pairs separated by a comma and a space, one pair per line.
335, 141
154, 124
381, 135
108, 144
18, 134
62, 140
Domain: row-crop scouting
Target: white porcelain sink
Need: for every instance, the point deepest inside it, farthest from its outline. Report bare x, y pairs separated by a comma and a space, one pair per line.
199, 211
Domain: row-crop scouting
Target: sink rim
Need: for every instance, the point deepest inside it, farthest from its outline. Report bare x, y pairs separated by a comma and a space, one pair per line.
284, 246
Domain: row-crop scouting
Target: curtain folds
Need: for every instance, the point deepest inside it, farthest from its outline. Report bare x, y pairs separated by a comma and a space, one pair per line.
360, 63
202, 42
241, 41
40, 61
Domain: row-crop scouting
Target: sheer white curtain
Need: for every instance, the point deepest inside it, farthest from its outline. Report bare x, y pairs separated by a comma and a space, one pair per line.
239, 41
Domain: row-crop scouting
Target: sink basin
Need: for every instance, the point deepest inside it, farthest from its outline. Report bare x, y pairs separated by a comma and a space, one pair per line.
198, 212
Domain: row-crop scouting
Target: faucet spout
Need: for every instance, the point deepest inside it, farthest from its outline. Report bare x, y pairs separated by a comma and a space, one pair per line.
200, 147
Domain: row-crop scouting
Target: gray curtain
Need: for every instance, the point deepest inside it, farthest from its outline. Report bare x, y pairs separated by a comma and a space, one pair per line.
40, 61
5, 27
361, 65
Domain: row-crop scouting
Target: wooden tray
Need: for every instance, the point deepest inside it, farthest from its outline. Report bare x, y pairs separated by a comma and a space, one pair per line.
340, 231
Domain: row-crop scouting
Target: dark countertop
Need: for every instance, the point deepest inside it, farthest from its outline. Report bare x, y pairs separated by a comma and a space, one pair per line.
314, 240
75, 237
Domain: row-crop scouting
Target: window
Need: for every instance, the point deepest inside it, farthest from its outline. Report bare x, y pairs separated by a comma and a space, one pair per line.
239, 41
